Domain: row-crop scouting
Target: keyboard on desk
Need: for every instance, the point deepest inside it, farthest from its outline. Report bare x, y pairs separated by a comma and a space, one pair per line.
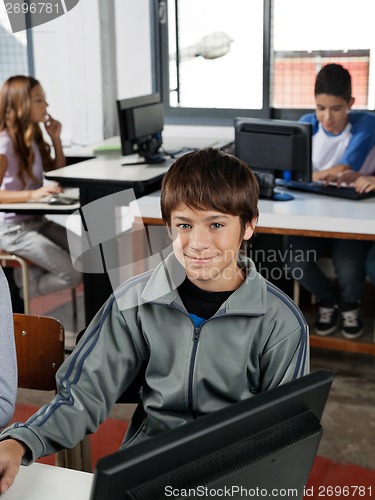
347, 192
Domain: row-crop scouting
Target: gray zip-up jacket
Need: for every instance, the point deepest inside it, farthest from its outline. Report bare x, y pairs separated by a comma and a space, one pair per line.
257, 340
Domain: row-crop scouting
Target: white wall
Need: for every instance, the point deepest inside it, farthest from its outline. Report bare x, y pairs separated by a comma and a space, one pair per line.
133, 48
67, 62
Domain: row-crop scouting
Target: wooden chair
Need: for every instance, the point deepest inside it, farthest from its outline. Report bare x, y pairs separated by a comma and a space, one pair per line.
13, 260
40, 352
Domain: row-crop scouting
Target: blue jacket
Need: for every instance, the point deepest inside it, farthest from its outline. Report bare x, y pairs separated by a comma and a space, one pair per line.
362, 137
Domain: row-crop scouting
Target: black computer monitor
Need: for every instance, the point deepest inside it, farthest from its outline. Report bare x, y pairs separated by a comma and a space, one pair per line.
280, 148
141, 122
267, 442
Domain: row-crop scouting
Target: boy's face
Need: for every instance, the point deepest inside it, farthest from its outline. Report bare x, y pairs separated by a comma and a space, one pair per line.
206, 243
332, 112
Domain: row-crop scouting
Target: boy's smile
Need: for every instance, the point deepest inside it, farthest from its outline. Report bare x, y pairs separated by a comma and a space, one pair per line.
206, 243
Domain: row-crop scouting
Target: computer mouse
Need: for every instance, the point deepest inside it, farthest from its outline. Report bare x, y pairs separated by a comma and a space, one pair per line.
59, 200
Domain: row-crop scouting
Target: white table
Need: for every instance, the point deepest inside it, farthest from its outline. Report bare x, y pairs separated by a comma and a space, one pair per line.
38, 208
47, 482
307, 215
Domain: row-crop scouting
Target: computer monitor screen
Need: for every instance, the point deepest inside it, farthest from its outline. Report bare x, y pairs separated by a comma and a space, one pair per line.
282, 147
141, 123
268, 442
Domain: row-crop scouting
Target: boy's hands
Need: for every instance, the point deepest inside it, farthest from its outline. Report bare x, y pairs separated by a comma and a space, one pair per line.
365, 184
345, 179
11, 453
322, 175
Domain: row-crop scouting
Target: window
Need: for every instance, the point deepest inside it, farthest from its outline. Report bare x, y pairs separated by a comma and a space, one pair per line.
13, 49
216, 55
216, 45
308, 35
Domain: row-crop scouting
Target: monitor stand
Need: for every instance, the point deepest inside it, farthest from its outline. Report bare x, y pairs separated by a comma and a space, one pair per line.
268, 193
151, 160
281, 196
267, 182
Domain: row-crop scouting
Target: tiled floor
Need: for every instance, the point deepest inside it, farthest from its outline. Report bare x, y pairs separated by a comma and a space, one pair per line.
349, 417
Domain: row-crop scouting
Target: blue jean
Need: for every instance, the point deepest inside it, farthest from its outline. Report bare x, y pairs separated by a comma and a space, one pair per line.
348, 258
370, 264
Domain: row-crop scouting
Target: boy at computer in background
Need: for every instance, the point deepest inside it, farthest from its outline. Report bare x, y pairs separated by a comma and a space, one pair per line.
363, 182
208, 328
342, 138
341, 141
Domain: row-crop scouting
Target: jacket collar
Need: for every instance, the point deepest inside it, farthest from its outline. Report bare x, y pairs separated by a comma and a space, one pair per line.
249, 298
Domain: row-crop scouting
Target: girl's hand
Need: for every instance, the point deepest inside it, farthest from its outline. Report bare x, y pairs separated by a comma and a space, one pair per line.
42, 192
53, 127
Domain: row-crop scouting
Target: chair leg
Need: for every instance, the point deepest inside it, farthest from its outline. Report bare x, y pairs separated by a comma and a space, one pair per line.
296, 292
25, 285
25, 277
74, 302
17, 302
77, 458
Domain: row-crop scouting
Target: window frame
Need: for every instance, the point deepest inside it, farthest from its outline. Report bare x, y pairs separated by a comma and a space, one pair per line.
29, 45
209, 116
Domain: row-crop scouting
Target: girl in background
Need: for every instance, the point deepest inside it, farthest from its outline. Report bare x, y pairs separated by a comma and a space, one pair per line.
24, 156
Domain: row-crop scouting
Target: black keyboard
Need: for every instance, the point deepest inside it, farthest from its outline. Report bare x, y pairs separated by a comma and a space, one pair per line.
348, 193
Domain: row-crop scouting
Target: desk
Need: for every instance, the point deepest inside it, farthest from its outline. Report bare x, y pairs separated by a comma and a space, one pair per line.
307, 215
46, 482
106, 175
38, 208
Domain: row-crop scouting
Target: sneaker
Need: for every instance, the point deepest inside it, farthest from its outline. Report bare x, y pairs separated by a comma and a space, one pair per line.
352, 324
327, 320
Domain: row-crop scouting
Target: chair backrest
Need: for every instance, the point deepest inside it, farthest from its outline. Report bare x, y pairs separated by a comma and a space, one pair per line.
40, 350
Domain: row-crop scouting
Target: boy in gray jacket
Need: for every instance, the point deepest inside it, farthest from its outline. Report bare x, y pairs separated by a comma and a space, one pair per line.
204, 326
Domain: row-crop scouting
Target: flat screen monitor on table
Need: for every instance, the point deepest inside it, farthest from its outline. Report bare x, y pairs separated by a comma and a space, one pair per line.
274, 148
267, 442
141, 122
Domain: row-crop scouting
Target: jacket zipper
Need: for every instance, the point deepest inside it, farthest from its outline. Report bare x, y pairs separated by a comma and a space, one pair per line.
196, 335
193, 355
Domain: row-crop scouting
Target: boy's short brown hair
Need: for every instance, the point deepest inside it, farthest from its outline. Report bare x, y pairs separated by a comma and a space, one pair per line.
334, 79
209, 179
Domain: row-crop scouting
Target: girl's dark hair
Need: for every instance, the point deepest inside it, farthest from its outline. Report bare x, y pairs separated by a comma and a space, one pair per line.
209, 179
15, 111
334, 79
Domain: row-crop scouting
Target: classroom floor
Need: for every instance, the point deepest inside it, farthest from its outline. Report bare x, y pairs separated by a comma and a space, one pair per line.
349, 417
